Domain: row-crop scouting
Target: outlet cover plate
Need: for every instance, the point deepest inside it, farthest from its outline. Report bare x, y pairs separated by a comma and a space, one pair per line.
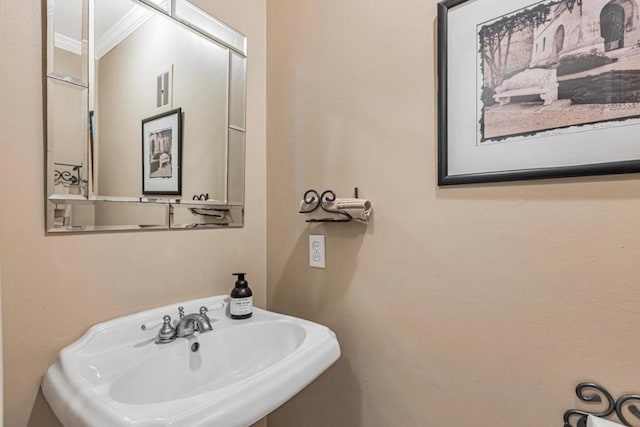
316, 251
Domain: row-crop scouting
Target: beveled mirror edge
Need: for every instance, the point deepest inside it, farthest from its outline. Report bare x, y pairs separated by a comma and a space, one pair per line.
233, 219
52, 199
241, 50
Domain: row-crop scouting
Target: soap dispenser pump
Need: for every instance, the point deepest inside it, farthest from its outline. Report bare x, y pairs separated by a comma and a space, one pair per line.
241, 301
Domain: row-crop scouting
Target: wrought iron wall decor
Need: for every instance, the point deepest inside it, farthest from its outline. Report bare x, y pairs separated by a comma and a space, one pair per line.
219, 212
322, 201
593, 393
71, 177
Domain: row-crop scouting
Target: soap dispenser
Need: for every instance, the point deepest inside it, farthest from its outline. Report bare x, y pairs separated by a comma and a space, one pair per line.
241, 301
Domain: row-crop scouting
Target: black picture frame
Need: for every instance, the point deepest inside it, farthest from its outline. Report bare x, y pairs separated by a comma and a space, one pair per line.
92, 148
161, 142
445, 178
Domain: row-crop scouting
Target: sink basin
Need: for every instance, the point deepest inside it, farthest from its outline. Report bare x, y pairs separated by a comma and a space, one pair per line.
116, 375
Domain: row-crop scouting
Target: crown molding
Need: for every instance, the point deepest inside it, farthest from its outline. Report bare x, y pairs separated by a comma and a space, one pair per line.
67, 43
130, 22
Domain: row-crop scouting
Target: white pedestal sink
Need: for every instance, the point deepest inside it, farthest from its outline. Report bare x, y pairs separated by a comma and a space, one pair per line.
116, 375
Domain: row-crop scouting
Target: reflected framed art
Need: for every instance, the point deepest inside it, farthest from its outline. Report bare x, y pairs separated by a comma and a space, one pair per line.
161, 152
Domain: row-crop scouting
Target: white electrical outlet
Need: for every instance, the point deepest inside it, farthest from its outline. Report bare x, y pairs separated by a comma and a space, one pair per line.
316, 251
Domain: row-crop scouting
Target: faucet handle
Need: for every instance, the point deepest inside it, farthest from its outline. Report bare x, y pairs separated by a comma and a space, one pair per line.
206, 322
167, 332
181, 311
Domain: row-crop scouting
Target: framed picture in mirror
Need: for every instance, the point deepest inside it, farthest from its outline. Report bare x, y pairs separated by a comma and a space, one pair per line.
161, 154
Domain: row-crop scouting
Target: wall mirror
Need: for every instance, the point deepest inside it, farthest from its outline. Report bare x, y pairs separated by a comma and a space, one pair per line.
145, 106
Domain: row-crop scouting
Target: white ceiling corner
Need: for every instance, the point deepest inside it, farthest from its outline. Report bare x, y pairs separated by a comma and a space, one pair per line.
126, 25
118, 19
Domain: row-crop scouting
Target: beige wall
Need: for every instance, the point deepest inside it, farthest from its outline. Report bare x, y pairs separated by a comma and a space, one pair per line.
55, 287
1, 364
461, 306
470, 306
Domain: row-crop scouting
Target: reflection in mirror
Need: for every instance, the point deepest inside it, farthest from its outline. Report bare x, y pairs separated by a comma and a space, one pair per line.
67, 133
192, 216
163, 115
158, 67
67, 40
236, 174
161, 5
80, 216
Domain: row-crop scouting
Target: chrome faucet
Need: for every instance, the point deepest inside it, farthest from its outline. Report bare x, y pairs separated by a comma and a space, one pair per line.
192, 323
187, 326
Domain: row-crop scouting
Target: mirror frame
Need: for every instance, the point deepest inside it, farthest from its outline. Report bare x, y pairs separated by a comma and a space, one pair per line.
185, 14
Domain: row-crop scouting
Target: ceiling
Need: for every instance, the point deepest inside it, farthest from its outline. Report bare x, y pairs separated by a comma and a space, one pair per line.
114, 20
68, 15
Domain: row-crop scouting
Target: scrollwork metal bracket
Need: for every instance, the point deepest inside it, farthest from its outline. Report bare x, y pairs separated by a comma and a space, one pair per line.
219, 212
67, 177
589, 392
316, 201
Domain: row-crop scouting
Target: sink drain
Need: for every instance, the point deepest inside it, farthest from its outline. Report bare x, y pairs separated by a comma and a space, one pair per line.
195, 346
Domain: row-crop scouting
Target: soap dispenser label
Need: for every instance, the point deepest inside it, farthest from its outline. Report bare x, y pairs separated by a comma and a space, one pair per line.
241, 306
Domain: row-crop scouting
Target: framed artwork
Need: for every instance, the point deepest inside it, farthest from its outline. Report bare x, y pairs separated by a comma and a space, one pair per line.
537, 89
161, 154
